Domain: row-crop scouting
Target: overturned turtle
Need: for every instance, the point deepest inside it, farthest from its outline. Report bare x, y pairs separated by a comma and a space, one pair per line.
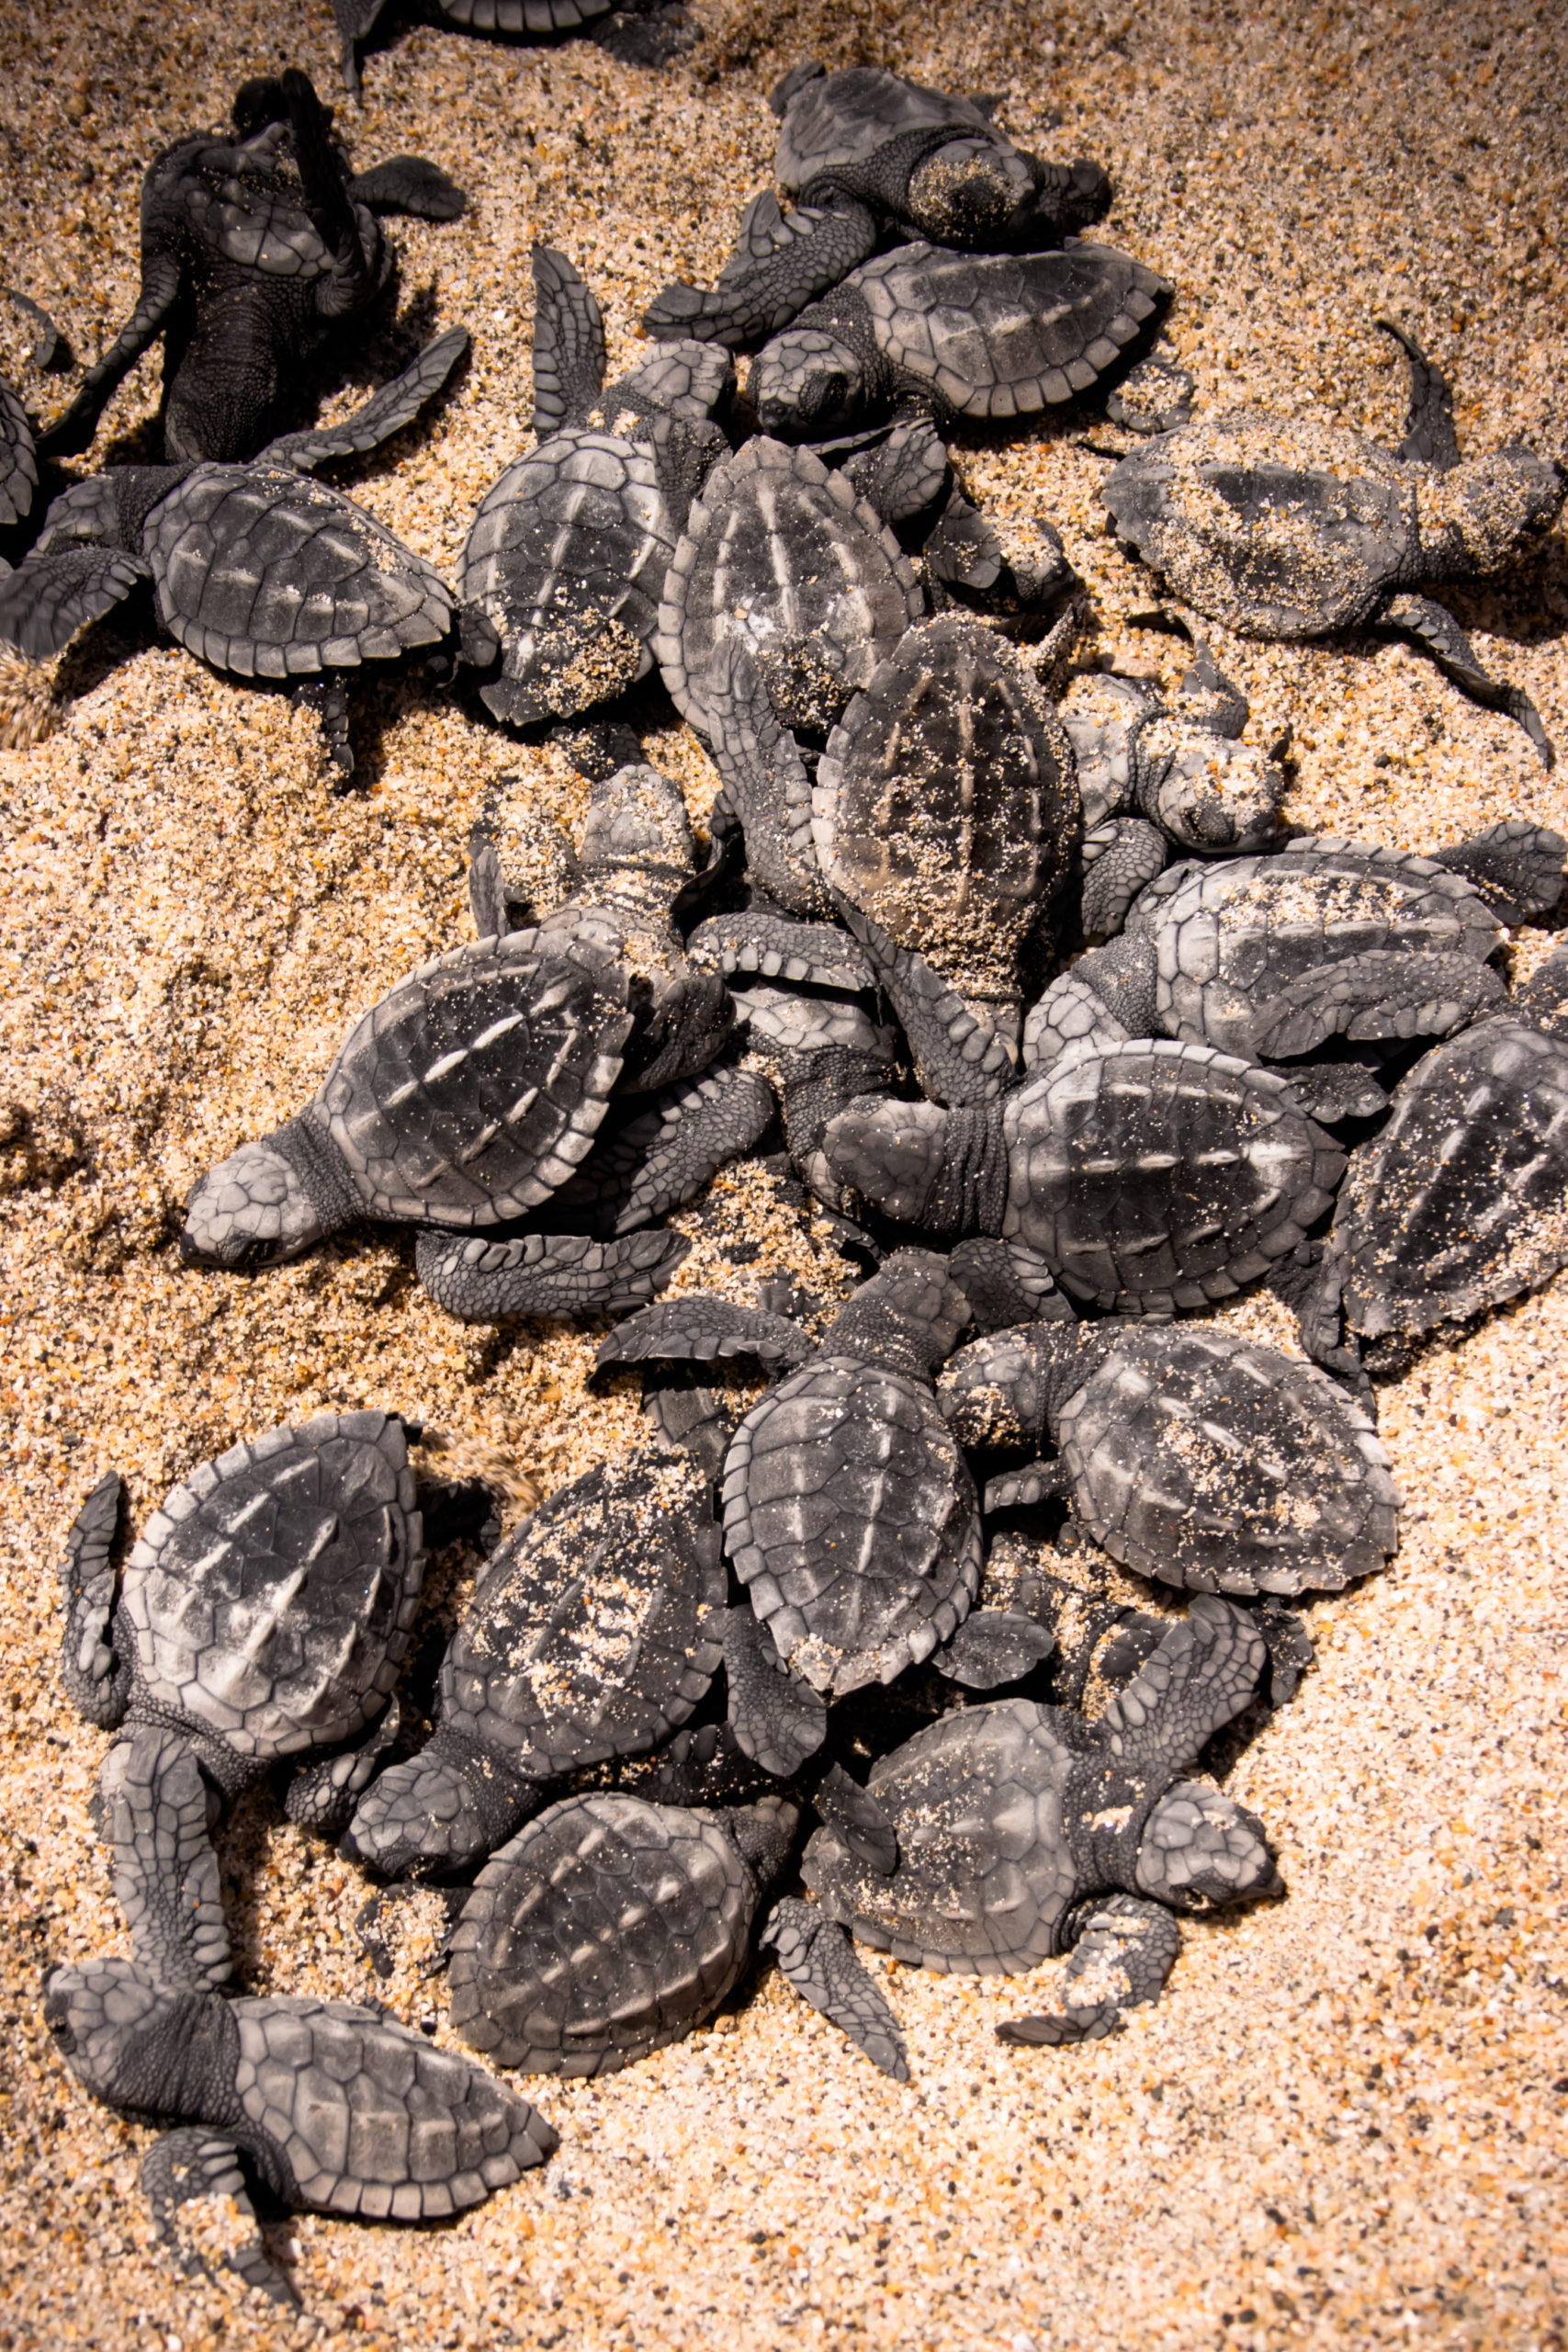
1296, 530
862, 151
1196, 1458
255, 568
1022, 1831
610, 1926
256, 251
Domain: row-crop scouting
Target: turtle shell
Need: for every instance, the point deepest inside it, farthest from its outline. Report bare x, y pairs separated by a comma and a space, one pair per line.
1232, 935
1217, 1463
262, 571
1461, 1200
477, 1085
1005, 334
369, 2118
271, 1597
567, 558
1152, 1175
985, 1874
843, 119
850, 1513
607, 1929
595, 1630
782, 553
944, 806
1277, 529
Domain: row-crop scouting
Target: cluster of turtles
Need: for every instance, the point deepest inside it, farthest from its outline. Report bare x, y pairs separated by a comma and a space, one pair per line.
1046, 1028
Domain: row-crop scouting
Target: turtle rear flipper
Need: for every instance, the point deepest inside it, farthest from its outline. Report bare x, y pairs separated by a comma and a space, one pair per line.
165, 1878
858, 1820
569, 345
385, 413
696, 1329
411, 185
96, 1680
1126, 1948
1388, 992
1438, 630
483, 1281
686, 1139
821, 1962
961, 1059
1204, 1674
777, 1719
1429, 435
50, 597
323, 1795
189, 2178
905, 473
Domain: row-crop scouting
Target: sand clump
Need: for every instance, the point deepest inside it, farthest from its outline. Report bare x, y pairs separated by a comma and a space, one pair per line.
1344, 2121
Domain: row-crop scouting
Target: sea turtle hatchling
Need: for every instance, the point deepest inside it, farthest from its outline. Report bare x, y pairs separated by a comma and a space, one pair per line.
996, 337
257, 568
861, 152
638, 33
256, 251
1023, 1831
1297, 529
610, 1926
1196, 1458
327, 2104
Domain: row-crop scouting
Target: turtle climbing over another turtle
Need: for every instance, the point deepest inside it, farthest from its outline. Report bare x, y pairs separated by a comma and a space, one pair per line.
862, 151
610, 1926
329, 2106
1296, 529
257, 568
1196, 1458
995, 336
256, 251
1023, 1831
565, 558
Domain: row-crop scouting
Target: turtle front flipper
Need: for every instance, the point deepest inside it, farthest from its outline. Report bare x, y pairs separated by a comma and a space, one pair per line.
1429, 435
160, 292
698, 1330
821, 1963
782, 261
764, 780
1438, 630
1516, 865
96, 1680
858, 1820
569, 345
483, 1281
441, 1811
50, 597
777, 1719
1120, 858
1387, 993
355, 21
410, 184
165, 1872
201, 2210
385, 413
1204, 1674
1126, 1948
687, 1137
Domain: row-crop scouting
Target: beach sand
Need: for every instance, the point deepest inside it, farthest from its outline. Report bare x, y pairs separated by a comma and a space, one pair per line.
1344, 2122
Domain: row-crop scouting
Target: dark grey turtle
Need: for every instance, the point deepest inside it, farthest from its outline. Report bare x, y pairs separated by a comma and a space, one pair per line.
594, 1633
1147, 1176
640, 32
256, 568
326, 2105
611, 1926
780, 553
1192, 1456
256, 251
567, 556
848, 1510
863, 151
998, 336
1460, 1202
1014, 1822
1294, 529
262, 1617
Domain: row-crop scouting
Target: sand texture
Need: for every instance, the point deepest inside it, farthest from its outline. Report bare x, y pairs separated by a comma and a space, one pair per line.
1344, 2122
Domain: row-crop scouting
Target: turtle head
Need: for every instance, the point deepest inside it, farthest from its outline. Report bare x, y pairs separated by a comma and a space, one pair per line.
969, 190
1201, 1848
1478, 516
439, 1812
251, 1210
1207, 794
117, 2028
807, 385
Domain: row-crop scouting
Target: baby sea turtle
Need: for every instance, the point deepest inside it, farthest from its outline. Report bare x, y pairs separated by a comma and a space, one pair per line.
261, 1618
326, 2105
997, 335
1015, 1822
1192, 1456
1296, 529
780, 553
256, 568
593, 1633
1147, 1176
640, 32
255, 251
565, 558
863, 151
1461, 1201
611, 1926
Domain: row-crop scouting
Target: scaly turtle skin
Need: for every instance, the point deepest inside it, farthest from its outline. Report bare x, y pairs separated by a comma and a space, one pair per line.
1013, 1819
1001, 336
329, 2106
255, 251
263, 1616
1295, 529
1194, 1457
1146, 1176
257, 569
611, 1926
19, 458
863, 151
594, 1633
